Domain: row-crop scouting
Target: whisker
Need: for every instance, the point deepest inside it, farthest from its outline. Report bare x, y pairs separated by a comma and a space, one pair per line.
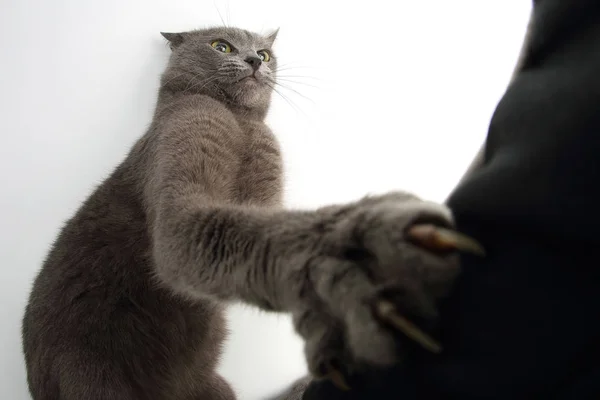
282, 69
295, 91
204, 83
219, 12
297, 82
289, 101
294, 65
227, 11
191, 83
173, 78
298, 76
192, 79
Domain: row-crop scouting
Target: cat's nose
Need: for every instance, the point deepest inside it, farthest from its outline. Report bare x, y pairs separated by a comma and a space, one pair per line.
254, 61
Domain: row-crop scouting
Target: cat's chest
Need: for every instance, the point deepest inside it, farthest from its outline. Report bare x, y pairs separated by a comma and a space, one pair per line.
259, 178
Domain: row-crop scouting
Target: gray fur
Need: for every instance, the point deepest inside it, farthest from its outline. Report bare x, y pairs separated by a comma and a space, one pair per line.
129, 302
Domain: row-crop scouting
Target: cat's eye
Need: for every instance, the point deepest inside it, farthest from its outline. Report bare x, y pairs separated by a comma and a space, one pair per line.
264, 55
221, 46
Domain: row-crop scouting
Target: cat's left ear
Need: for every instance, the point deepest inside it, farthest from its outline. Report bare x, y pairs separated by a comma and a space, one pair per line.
272, 36
175, 39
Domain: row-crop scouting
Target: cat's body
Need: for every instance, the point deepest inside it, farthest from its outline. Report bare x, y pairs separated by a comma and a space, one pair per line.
98, 291
129, 302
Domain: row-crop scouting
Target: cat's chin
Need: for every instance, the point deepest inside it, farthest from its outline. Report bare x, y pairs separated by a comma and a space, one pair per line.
248, 78
247, 92
249, 82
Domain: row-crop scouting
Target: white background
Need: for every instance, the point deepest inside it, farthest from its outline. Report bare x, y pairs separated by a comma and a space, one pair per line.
400, 98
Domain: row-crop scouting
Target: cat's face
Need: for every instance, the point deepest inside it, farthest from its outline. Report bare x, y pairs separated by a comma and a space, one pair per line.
229, 64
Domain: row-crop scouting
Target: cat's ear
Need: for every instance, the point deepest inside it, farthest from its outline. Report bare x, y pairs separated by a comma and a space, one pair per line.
272, 36
175, 39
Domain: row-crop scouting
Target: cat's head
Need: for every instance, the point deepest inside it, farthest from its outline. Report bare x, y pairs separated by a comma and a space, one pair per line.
229, 64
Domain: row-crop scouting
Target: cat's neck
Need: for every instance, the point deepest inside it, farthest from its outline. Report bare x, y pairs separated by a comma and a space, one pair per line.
167, 99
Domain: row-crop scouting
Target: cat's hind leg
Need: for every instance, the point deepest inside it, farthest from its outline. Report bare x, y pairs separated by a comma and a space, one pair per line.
78, 378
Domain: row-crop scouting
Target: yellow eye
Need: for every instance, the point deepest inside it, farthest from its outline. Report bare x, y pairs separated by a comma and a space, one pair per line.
221, 46
264, 55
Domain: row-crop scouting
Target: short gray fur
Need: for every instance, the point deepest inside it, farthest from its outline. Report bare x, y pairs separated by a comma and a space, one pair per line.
129, 302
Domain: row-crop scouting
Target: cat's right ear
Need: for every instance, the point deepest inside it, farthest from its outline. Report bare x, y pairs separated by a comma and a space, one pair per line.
175, 39
272, 36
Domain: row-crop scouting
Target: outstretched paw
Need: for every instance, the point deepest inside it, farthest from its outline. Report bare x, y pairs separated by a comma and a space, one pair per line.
384, 264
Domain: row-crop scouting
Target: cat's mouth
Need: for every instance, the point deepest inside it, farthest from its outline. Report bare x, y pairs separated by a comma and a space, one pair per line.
249, 78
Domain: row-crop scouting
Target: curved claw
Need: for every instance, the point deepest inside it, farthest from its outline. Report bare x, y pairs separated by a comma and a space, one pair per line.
387, 311
335, 376
437, 238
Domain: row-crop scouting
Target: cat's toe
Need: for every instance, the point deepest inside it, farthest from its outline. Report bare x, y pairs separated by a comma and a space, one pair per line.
438, 239
389, 314
325, 348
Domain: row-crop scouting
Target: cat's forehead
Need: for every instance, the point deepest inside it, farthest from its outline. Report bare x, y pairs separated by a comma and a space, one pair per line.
235, 36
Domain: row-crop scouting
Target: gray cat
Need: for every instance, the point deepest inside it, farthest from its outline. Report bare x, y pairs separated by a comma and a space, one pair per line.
129, 302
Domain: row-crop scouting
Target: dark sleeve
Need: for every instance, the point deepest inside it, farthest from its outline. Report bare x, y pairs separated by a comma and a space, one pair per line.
524, 323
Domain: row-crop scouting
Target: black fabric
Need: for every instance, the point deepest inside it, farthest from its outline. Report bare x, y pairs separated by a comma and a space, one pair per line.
524, 322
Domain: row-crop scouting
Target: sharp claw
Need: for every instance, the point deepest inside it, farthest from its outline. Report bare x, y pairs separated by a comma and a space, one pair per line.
387, 311
442, 239
336, 377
